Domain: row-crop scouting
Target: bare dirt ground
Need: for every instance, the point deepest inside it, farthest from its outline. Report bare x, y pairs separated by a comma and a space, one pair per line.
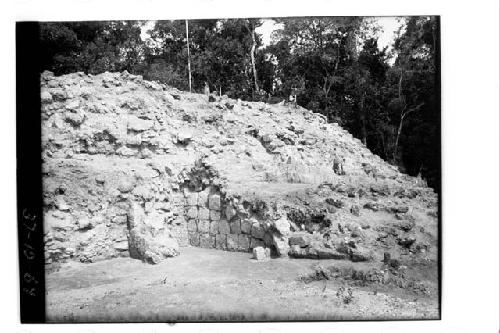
212, 285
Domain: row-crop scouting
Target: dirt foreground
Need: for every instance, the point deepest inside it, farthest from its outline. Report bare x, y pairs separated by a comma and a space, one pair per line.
212, 285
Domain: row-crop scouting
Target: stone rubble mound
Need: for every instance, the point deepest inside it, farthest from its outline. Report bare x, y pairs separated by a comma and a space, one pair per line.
137, 168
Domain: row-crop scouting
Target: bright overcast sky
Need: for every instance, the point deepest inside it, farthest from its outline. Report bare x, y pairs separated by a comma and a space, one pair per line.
389, 26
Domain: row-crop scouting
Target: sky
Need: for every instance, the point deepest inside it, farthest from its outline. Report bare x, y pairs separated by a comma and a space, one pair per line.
389, 26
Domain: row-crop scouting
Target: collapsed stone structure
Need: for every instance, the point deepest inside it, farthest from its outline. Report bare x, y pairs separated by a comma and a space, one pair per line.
136, 168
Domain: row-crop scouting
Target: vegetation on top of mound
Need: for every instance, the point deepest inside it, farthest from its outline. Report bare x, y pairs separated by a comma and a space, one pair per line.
333, 66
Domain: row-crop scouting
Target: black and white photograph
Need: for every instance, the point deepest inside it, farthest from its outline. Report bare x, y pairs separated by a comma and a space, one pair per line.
241, 169
233, 169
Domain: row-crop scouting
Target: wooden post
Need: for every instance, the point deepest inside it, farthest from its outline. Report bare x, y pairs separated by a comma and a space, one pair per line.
189, 61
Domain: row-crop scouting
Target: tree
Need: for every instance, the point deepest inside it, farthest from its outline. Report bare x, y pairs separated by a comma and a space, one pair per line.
416, 100
251, 24
92, 47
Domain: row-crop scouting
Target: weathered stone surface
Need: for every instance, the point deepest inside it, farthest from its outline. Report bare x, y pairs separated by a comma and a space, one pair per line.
255, 242
118, 219
337, 203
46, 97
214, 228
282, 226
299, 252
235, 226
224, 227
62, 205
260, 253
220, 242
83, 222
302, 239
232, 242
203, 199
192, 213
204, 226
246, 226
214, 215
121, 246
138, 125
371, 205
194, 239
399, 209
243, 242
207, 241
192, 199
125, 185
355, 210
125, 151
184, 137
230, 212
406, 241
326, 253
152, 249
361, 254
405, 225
257, 230
75, 118
214, 202
203, 213
281, 245
58, 221
192, 225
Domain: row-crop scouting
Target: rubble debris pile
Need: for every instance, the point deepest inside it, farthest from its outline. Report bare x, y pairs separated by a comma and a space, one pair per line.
137, 168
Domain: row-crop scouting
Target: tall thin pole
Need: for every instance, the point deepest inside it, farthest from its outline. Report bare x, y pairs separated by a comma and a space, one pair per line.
189, 61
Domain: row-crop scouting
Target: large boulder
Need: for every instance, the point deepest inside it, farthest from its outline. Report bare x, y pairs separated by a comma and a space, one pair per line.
148, 239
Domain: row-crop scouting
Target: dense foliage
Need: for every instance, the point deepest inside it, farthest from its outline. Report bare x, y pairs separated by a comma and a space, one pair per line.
333, 65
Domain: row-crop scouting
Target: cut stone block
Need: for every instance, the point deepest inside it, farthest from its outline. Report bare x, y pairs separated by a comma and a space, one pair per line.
192, 199
246, 226
214, 227
230, 212
207, 241
224, 228
214, 215
254, 242
260, 253
243, 242
192, 226
220, 242
203, 199
235, 227
258, 231
203, 213
232, 242
192, 213
214, 202
203, 226
194, 239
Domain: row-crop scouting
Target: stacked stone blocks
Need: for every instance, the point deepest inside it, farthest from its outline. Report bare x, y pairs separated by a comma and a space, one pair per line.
213, 224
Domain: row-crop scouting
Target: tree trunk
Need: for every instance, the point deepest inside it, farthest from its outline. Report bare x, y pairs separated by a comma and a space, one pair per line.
400, 89
252, 56
189, 60
363, 118
394, 155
